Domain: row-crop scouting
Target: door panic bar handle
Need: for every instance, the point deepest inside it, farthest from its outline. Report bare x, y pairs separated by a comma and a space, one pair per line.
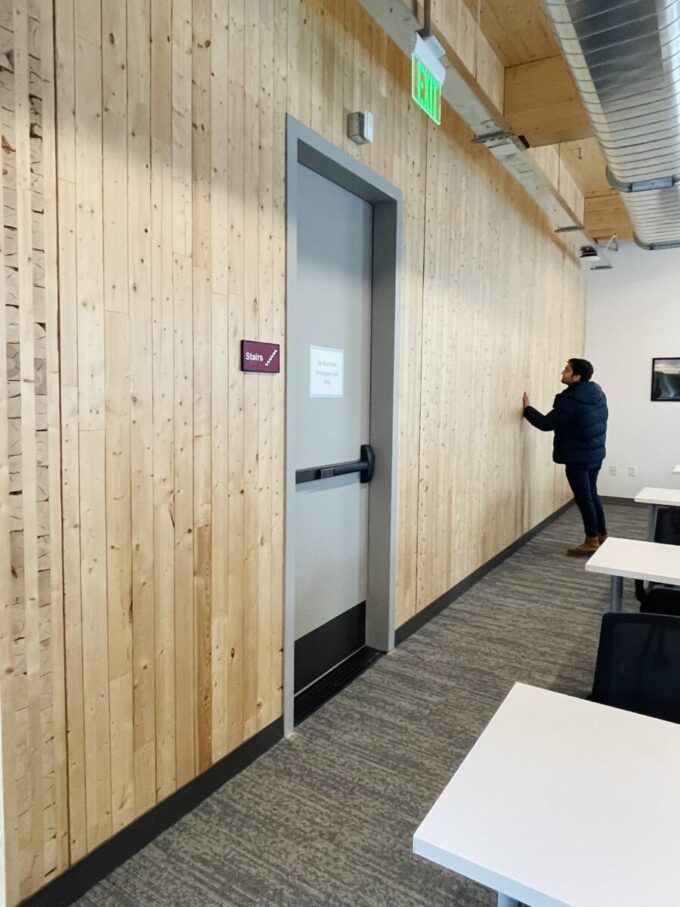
365, 466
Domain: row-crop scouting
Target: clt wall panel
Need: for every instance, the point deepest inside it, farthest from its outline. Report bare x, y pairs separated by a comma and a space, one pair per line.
163, 411
141, 472
31, 603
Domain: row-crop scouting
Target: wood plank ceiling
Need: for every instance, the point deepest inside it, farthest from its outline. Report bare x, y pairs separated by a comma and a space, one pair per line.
541, 103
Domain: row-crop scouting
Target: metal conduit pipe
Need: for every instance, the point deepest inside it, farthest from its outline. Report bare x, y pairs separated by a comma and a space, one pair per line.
625, 59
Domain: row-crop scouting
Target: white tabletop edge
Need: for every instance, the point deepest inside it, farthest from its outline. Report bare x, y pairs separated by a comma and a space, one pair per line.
668, 496
676, 469
485, 876
655, 576
636, 559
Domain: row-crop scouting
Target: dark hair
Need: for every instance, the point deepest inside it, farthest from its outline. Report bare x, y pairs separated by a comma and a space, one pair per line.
581, 367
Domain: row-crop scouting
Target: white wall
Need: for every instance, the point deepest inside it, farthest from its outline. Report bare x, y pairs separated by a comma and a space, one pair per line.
633, 315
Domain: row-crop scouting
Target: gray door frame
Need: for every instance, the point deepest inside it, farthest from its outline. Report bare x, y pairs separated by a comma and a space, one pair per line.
303, 146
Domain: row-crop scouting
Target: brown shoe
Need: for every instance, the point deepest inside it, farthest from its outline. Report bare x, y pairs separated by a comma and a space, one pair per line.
603, 538
589, 546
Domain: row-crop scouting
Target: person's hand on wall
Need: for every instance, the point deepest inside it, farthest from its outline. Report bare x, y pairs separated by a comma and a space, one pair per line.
525, 400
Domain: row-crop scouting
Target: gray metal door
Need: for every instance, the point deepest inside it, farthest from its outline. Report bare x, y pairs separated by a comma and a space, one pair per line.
332, 385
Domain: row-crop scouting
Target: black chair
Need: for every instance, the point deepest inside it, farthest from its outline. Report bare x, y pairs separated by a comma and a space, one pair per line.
667, 528
638, 664
658, 600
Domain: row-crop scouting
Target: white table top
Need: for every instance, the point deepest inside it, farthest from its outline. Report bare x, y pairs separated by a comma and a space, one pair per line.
676, 468
564, 802
650, 561
668, 496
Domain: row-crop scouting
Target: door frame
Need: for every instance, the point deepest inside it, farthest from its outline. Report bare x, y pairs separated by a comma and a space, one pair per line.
304, 146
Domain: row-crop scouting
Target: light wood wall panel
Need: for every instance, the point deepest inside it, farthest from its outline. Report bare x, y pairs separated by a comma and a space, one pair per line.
31, 605
165, 629
485, 479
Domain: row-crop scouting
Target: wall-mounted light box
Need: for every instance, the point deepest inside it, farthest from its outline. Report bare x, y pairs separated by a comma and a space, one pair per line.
427, 76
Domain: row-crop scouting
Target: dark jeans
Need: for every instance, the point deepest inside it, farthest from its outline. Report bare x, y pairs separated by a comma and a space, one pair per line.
583, 482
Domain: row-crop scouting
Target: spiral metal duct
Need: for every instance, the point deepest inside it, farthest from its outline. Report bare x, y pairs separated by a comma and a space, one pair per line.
625, 59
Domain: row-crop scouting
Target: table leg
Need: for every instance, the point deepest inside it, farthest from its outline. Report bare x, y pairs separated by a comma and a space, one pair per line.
653, 515
617, 593
505, 901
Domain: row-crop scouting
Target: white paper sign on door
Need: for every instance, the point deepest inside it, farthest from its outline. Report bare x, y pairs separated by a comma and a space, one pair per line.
326, 371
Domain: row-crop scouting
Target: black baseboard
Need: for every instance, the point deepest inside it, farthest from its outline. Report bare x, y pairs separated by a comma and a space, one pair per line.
68, 887
611, 499
422, 617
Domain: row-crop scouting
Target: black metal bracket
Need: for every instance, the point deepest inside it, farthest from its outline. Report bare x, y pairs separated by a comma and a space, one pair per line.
365, 466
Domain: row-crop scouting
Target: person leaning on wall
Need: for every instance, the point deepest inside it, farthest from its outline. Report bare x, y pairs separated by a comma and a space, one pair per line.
579, 420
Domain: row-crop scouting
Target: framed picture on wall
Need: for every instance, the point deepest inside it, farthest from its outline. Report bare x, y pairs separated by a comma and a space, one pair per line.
666, 380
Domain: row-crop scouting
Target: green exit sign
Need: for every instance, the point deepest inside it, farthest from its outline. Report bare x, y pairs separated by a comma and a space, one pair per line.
426, 90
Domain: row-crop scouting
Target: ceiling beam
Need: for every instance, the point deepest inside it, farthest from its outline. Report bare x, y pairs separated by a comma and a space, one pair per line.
562, 183
542, 103
606, 215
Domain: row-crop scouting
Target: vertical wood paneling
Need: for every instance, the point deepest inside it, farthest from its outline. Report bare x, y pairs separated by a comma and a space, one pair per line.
185, 710
202, 247
235, 538
114, 153
294, 32
413, 135
184, 522
219, 396
263, 505
88, 180
91, 418
282, 23
141, 372
95, 636
303, 36
68, 322
58, 862
28, 589
9, 771
315, 16
481, 328
163, 382
170, 232
119, 566
250, 425
31, 616
117, 364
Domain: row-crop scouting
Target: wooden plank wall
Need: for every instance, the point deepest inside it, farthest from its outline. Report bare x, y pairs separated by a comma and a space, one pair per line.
171, 496
167, 219
31, 605
487, 333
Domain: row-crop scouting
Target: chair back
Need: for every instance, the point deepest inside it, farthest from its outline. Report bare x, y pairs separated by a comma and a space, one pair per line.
661, 600
667, 528
638, 664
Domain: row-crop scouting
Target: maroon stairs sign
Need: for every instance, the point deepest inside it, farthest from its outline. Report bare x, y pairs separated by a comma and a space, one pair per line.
259, 357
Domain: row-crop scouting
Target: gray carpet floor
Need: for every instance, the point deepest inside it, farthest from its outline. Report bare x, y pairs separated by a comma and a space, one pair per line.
326, 816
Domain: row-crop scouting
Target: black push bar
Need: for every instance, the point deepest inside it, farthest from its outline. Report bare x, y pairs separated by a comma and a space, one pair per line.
366, 466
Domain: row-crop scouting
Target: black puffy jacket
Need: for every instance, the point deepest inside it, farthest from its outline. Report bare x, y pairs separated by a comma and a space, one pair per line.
579, 420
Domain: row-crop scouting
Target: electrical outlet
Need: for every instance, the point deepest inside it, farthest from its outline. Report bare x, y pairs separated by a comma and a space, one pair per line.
632, 470
613, 470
